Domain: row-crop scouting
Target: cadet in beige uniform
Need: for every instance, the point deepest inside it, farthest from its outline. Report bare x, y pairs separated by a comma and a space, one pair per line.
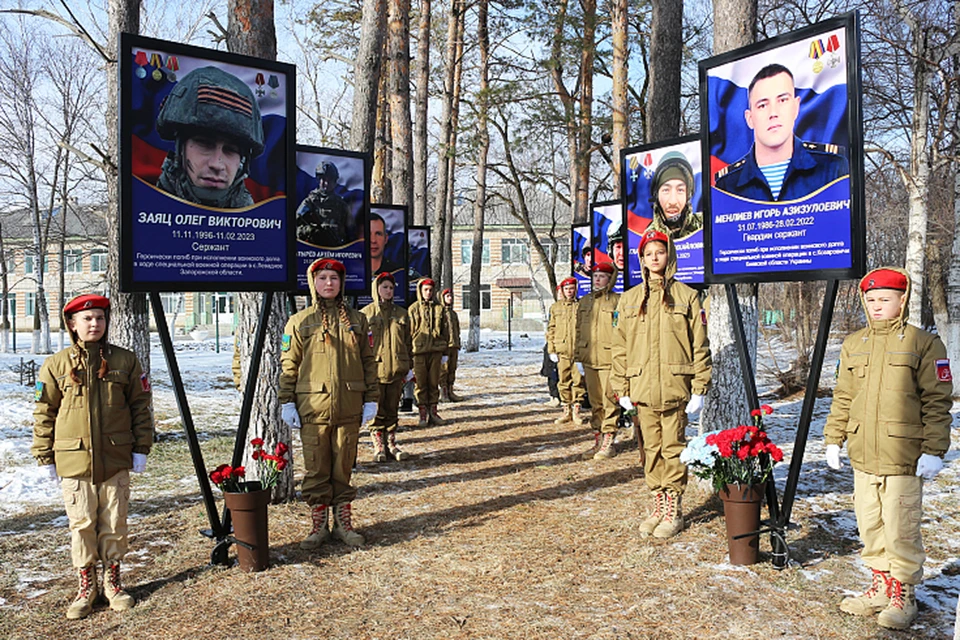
596, 320
328, 385
661, 363
431, 341
93, 424
891, 406
448, 369
390, 339
561, 341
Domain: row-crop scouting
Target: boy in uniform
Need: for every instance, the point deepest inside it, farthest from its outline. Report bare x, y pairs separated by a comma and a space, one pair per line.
92, 425
891, 406
561, 340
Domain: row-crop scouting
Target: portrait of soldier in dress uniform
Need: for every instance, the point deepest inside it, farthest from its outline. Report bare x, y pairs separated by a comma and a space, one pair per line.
322, 216
215, 121
779, 166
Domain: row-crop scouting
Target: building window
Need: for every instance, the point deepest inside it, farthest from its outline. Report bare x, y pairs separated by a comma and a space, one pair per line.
73, 261
466, 251
557, 249
171, 302
514, 251
12, 305
30, 264
485, 301
98, 262
30, 307
11, 264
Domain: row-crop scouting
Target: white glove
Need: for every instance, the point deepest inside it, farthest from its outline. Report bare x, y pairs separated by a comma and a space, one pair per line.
51, 472
554, 357
369, 412
288, 413
443, 359
929, 466
695, 404
833, 457
580, 368
626, 403
409, 376
139, 462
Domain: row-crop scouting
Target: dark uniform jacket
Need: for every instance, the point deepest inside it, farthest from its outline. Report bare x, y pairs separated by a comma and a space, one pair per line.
890, 405
91, 429
322, 219
811, 167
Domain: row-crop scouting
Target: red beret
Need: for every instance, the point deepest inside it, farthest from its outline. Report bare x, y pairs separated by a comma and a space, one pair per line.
327, 263
566, 281
86, 301
883, 279
653, 235
604, 267
446, 291
386, 275
428, 281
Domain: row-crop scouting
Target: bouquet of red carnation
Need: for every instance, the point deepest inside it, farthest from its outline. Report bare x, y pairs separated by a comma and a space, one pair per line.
269, 466
742, 455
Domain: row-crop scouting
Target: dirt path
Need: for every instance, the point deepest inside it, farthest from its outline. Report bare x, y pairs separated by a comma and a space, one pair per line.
494, 529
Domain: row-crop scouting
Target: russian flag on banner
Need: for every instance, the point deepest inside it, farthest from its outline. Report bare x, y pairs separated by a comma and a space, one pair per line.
267, 171
819, 67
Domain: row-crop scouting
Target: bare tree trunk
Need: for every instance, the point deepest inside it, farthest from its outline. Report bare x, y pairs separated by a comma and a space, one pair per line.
366, 75
918, 182
666, 52
398, 54
129, 313
439, 239
452, 156
251, 32
950, 331
381, 188
480, 202
726, 404
5, 301
420, 127
585, 133
619, 98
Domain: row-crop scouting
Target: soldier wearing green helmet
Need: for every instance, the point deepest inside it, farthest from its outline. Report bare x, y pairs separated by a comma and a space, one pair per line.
671, 194
322, 216
215, 121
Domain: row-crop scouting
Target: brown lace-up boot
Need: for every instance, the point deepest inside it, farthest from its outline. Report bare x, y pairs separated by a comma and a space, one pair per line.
320, 532
119, 599
87, 593
343, 525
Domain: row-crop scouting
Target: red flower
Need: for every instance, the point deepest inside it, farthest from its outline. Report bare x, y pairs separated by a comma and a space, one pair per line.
282, 464
767, 409
257, 454
216, 477
756, 412
239, 472
257, 442
226, 471
775, 453
743, 453
281, 448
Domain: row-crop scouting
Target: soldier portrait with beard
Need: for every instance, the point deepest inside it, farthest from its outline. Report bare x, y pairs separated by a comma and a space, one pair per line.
214, 120
671, 194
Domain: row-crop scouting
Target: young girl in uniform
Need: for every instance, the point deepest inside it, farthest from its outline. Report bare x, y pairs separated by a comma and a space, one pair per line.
328, 385
661, 364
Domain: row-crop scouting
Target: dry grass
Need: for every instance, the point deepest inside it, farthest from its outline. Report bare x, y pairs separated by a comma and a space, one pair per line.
495, 529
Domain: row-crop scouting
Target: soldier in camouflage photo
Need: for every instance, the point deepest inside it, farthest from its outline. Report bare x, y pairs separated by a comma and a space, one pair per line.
322, 216
215, 121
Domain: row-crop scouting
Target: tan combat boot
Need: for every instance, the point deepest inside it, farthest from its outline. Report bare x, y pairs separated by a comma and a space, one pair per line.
608, 449
672, 522
453, 395
435, 418
902, 610
379, 446
445, 394
395, 451
566, 417
119, 599
656, 516
343, 525
873, 600
592, 451
577, 417
424, 417
87, 593
320, 532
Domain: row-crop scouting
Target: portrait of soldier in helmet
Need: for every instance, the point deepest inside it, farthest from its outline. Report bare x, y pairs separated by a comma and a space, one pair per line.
322, 216
671, 194
214, 119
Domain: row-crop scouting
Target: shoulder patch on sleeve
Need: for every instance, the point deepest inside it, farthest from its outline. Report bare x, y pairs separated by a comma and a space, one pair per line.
285, 342
943, 371
38, 391
144, 383
703, 316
